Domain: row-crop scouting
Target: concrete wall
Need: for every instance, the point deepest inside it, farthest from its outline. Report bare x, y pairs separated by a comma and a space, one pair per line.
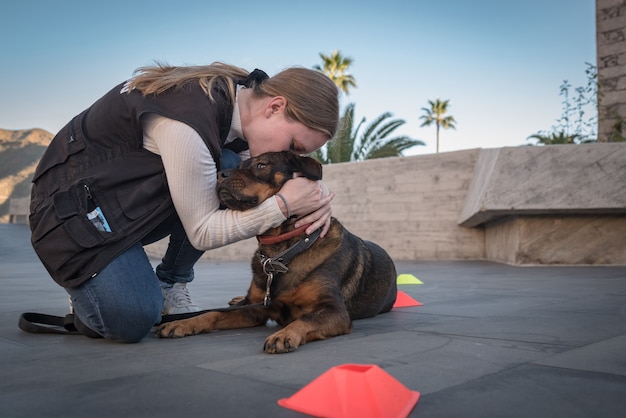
611, 63
409, 205
527, 205
563, 204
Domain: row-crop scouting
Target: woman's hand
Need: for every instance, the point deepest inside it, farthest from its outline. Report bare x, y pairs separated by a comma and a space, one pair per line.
310, 201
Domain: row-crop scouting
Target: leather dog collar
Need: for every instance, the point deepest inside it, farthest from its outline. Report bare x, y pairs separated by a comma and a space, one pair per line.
278, 264
275, 239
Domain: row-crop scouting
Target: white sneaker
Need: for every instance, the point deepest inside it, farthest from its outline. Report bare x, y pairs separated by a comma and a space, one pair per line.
176, 299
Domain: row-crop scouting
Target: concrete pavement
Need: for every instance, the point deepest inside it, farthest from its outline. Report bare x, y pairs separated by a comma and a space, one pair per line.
490, 340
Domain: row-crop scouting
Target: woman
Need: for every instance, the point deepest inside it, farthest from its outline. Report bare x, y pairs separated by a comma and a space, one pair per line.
141, 164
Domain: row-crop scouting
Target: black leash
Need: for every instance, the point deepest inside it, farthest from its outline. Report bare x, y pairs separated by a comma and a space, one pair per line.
38, 323
34, 323
186, 315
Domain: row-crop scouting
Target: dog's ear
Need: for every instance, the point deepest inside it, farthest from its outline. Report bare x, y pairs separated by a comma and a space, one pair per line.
308, 167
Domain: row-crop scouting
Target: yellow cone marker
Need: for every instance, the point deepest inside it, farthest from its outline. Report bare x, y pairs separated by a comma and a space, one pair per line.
408, 279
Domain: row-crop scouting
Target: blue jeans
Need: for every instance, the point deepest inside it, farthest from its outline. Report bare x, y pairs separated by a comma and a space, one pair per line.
124, 301
180, 257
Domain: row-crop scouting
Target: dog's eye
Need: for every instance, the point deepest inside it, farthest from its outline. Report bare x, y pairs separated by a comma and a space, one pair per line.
261, 166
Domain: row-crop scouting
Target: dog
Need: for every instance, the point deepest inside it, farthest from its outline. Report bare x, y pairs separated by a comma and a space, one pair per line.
312, 287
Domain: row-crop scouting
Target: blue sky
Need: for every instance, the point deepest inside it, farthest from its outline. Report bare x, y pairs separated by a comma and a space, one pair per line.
499, 62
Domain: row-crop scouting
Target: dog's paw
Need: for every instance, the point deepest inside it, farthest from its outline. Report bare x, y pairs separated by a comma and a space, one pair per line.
174, 330
282, 342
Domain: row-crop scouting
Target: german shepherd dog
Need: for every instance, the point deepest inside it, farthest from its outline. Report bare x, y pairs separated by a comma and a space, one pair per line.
312, 287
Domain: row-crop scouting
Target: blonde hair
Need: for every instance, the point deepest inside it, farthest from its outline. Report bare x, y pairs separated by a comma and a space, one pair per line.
161, 77
312, 98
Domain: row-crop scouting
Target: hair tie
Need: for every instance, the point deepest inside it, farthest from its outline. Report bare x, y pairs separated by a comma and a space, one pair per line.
285, 202
255, 77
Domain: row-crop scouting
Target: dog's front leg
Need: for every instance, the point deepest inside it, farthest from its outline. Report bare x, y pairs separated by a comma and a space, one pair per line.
315, 326
212, 321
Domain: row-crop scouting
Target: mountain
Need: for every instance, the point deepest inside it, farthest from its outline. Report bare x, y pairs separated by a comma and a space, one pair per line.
20, 152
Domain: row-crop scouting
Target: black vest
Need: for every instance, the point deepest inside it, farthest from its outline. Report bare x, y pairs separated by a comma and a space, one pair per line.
97, 191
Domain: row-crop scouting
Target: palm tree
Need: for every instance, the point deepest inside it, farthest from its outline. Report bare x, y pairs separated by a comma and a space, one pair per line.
556, 138
350, 144
435, 114
336, 68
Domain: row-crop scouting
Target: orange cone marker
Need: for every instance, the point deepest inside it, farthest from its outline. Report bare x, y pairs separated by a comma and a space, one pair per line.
353, 390
404, 301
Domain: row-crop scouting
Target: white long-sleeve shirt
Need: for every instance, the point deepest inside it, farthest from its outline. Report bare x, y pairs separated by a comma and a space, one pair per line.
192, 176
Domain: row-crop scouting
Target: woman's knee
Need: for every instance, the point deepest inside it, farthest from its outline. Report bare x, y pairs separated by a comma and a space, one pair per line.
124, 301
131, 325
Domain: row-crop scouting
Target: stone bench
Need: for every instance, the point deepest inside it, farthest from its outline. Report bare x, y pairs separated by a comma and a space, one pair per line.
19, 210
562, 204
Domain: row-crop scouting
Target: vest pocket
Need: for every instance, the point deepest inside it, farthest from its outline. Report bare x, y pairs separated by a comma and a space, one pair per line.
63, 241
83, 232
65, 204
70, 214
